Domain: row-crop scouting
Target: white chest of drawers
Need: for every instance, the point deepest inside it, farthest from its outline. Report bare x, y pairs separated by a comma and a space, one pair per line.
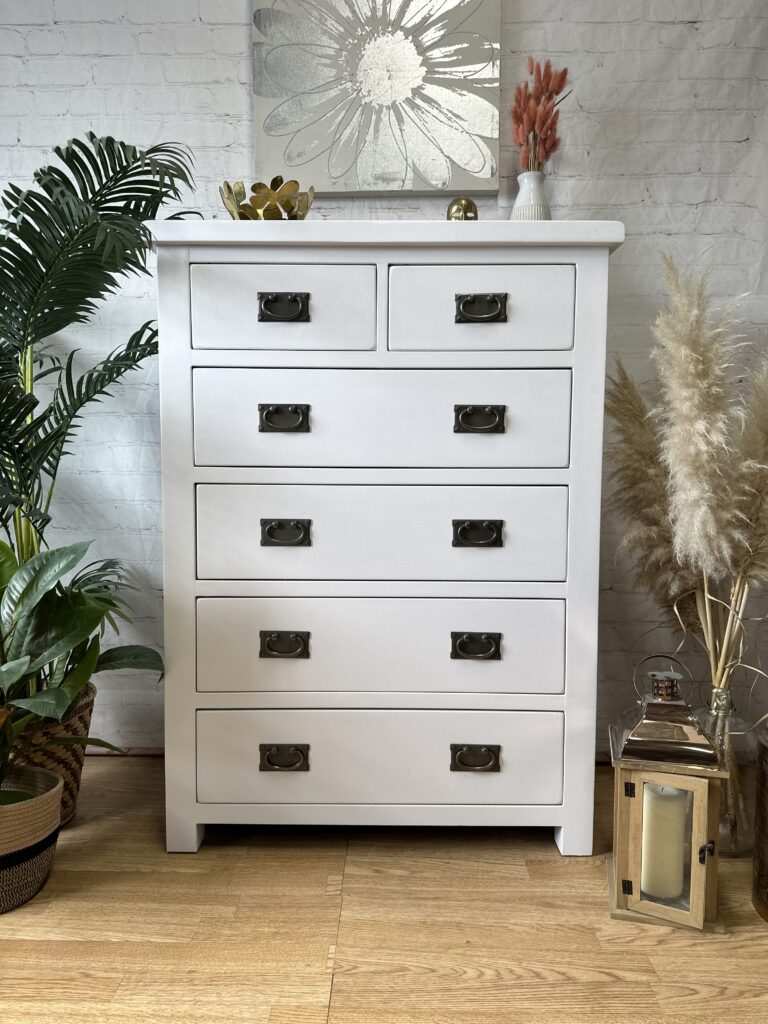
381, 459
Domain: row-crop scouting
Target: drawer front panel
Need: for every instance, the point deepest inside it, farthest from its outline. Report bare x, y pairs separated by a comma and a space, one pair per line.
373, 532
382, 417
394, 757
537, 301
340, 302
380, 644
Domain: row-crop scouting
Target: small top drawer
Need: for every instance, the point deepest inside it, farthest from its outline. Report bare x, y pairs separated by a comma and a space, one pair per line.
283, 306
482, 307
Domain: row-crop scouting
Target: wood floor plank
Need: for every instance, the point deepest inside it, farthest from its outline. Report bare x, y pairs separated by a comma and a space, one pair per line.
354, 926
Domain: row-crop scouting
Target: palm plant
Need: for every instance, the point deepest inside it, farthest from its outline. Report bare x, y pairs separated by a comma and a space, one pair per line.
64, 246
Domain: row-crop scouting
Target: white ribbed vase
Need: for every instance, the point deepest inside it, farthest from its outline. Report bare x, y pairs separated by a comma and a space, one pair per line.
531, 202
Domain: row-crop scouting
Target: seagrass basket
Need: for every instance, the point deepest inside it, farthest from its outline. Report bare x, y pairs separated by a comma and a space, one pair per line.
65, 759
28, 834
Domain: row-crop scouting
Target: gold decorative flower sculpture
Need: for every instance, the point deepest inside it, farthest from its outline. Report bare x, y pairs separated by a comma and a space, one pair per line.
280, 200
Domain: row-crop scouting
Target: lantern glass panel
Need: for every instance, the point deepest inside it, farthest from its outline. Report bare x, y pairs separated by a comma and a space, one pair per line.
667, 840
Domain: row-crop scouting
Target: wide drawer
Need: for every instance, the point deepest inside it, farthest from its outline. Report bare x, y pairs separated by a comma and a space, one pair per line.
383, 757
380, 644
302, 306
377, 532
483, 418
511, 307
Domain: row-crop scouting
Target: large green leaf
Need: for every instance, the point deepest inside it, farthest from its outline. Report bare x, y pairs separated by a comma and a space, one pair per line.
78, 677
8, 564
67, 241
12, 672
56, 626
72, 395
45, 703
35, 578
130, 656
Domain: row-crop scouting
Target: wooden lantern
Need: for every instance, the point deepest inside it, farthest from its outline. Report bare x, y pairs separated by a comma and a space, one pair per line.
666, 813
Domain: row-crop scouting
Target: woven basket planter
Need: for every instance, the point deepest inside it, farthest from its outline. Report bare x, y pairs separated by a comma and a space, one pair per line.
28, 834
65, 759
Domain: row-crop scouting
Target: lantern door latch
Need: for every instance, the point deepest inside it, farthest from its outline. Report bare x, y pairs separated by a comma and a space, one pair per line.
629, 789
626, 887
707, 850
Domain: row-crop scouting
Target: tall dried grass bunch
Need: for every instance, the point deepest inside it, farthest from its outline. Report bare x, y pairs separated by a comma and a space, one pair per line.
535, 114
691, 472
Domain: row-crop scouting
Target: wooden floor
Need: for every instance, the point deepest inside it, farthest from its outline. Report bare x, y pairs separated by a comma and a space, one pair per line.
353, 926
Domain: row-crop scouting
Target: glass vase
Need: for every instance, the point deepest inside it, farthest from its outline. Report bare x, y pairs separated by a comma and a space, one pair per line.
736, 743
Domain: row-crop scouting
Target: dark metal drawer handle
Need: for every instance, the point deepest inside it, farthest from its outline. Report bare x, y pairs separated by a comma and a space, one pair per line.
270, 644
284, 419
492, 416
271, 754
475, 757
494, 306
491, 530
489, 645
301, 538
283, 307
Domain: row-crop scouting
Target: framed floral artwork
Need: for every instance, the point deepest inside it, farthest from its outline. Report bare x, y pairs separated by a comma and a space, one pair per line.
377, 96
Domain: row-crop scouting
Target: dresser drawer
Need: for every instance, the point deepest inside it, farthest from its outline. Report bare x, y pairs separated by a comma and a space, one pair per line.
483, 418
394, 757
314, 307
426, 305
376, 532
404, 645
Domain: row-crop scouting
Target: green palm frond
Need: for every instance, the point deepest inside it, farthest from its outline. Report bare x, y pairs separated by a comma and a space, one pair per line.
64, 244
72, 395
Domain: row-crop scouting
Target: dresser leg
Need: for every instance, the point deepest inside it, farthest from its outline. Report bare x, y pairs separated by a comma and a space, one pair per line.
575, 840
183, 837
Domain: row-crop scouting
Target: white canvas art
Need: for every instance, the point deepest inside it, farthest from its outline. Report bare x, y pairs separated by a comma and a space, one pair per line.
377, 95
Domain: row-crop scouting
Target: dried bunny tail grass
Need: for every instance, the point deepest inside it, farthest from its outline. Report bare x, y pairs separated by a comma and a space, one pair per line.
640, 497
754, 469
698, 417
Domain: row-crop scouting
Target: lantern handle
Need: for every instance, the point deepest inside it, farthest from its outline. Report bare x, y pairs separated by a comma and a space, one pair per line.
653, 657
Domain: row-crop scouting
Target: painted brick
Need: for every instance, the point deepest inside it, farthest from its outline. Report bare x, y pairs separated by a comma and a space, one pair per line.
119, 71
25, 12
61, 71
13, 43
111, 11
222, 12
97, 40
145, 12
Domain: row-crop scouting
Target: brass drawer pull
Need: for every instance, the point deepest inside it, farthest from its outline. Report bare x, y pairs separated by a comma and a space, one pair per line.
284, 419
479, 419
478, 533
283, 757
283, 307
283, 643
475, 757
482, 309
476, 646
285, 533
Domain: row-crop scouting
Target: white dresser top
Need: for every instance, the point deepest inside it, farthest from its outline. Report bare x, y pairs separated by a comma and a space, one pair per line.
316, 232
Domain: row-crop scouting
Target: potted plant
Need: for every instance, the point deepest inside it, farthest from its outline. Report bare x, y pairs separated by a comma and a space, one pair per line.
535, 115
64, 245
51, 624
691, 480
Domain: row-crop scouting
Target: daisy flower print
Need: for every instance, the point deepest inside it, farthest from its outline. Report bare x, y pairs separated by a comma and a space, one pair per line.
378, 95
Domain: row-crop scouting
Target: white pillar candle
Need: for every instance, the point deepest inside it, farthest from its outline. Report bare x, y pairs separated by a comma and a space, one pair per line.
663, 855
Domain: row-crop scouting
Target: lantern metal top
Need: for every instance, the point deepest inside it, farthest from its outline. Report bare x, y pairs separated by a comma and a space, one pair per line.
663, 732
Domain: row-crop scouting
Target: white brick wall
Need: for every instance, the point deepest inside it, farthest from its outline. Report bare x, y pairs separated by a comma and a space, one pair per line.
666, 130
